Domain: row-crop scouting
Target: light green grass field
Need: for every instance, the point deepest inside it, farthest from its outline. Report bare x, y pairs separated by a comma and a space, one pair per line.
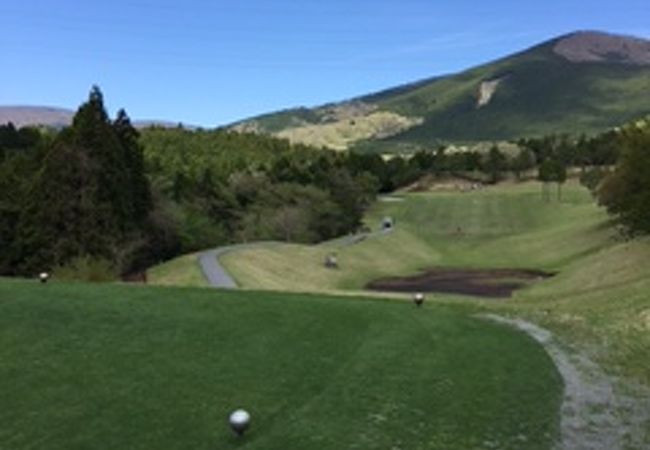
181, 271
600, 298
509, 227
115, 366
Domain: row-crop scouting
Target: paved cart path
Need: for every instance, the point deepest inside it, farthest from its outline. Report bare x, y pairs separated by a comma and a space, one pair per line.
212, 269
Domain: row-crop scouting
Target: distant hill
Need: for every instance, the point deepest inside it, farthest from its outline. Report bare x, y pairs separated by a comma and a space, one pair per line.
22, 116
582, 82
53, 117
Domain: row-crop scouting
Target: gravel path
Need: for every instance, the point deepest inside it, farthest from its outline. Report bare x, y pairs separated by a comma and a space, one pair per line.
599, 411
212, 269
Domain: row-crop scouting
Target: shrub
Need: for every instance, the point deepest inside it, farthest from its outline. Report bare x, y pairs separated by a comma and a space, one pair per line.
86, 268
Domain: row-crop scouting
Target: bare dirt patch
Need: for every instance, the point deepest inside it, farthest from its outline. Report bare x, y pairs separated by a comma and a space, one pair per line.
491, 283
431, 183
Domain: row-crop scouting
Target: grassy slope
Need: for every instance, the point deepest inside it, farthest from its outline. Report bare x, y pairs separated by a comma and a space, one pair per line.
115, 366
599, 299
181, 271
500, 227
339, 135
602, 301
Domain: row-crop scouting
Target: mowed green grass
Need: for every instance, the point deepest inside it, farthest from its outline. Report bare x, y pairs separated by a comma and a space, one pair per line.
116, 366
506, 226
599, 300
181, 271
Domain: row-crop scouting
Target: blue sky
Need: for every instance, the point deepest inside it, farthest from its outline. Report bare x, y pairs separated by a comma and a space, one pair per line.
213, 62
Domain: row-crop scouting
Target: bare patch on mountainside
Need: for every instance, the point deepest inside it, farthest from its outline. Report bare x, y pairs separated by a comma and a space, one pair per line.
302, 117
588, 46
336, 126
339, 134
346, 111
486, 91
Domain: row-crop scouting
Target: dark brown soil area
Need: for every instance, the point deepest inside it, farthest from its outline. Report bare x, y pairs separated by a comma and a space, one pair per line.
493, 283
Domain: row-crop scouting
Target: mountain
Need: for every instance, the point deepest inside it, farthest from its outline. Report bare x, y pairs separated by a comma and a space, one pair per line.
48, 116
583, 82
22, 116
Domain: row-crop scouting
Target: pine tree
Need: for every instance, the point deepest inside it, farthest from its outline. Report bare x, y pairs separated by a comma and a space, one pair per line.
138, 187
91, 195
495, 164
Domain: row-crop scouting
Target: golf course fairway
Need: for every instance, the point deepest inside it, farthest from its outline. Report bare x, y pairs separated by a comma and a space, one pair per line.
597, 300
116, 366
508, 226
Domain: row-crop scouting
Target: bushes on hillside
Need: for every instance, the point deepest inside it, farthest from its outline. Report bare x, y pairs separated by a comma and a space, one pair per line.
626, 191
86, 268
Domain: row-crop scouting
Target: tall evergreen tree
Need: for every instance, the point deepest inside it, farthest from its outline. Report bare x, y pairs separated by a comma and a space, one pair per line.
62, 217
90, 196
139, 199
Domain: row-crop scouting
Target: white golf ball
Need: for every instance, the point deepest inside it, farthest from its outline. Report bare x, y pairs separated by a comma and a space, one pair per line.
239, 421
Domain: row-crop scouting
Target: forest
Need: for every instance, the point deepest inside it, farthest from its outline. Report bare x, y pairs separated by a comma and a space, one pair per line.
101, 197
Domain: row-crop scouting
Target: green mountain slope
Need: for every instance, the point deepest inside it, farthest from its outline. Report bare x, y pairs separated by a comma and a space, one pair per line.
582, 82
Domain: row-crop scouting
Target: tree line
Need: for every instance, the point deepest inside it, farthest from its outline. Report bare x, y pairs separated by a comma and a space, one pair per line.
625, 190
101, 192
81, 191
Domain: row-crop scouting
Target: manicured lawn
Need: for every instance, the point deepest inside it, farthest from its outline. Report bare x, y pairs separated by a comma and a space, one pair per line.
599, 300
506, 227
181, 271
115, 366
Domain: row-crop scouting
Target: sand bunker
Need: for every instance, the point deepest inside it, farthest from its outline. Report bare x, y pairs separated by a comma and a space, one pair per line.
493, 283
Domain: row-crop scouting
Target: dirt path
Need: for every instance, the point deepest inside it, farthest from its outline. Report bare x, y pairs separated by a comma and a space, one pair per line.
599, 411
